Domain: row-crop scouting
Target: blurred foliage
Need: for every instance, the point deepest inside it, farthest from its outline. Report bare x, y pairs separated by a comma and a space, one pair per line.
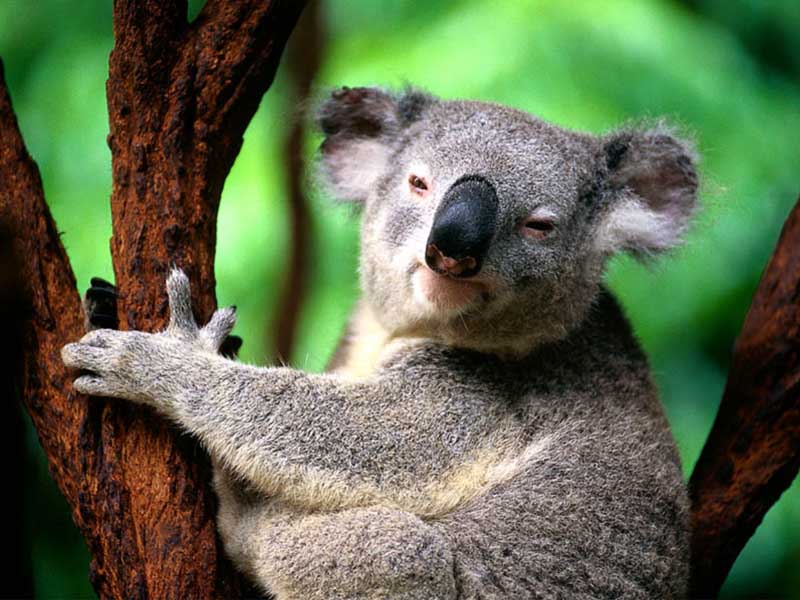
725, 72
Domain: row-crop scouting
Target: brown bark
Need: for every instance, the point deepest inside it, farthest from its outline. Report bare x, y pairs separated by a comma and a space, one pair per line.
54, 311
753, 452
63, 420
303, 56
180, 96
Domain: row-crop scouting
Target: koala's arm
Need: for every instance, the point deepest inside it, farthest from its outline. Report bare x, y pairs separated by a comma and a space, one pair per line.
290, 433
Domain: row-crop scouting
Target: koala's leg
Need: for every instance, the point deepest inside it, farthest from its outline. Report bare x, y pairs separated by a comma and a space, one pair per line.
590, 522
361, 553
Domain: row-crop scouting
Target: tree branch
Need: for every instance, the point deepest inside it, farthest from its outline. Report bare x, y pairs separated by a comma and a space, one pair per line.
753, 452
238, 47
48, 281
179, 100
83, 441
22, 324
61, 417
173, 140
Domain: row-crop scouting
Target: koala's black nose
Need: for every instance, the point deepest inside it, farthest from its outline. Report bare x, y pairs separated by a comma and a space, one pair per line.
463, 227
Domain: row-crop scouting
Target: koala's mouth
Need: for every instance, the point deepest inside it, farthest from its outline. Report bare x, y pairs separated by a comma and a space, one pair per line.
446, 293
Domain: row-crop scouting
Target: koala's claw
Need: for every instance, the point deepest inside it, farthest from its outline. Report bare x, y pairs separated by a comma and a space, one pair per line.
231, 346
106, 357
96, 350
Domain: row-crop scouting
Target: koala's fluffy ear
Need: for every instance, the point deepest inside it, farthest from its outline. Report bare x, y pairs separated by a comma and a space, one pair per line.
362, 127
653, 187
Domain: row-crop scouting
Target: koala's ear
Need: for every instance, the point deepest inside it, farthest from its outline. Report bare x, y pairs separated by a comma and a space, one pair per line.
652, 181
362, 127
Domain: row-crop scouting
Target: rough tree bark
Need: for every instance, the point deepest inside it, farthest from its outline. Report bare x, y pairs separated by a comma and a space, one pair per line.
54, 313
180, 96
753, 452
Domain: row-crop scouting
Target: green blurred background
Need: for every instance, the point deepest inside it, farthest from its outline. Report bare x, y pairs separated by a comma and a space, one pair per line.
728, 72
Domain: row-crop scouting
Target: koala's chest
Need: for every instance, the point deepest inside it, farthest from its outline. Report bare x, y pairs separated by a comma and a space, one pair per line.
364, 346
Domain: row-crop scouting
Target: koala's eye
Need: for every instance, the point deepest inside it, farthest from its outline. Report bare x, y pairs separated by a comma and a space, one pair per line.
537, 228
418, 184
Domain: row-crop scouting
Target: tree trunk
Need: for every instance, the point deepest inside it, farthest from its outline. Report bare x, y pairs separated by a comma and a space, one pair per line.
753, 452
180, 96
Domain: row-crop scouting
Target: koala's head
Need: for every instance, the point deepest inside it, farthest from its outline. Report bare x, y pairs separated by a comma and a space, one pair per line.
486, 227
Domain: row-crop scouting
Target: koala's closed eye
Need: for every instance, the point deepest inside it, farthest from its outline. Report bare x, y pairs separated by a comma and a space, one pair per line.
537, 227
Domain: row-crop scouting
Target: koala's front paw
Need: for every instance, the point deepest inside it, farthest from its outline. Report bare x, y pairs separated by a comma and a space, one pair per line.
117, 362
100, 309
151, 368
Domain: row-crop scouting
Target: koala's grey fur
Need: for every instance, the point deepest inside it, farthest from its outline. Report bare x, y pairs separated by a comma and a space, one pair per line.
509, 447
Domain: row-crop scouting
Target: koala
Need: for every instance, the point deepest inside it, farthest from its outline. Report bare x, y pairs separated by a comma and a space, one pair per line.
488, 427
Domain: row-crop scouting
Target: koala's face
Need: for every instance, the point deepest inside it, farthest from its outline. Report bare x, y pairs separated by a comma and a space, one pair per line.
486, 227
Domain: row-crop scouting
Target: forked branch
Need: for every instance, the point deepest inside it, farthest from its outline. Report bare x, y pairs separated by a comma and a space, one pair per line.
180, 96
